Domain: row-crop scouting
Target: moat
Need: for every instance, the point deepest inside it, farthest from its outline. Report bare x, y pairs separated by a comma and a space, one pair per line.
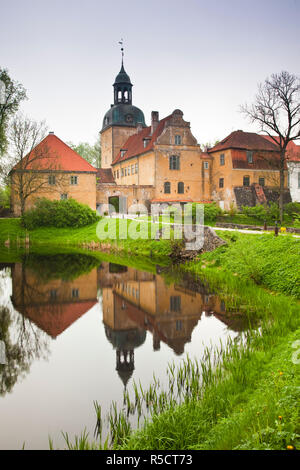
76, 329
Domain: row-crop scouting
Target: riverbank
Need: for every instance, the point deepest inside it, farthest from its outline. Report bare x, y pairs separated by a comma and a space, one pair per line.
250, 395
244, 397
246, 394
113, 238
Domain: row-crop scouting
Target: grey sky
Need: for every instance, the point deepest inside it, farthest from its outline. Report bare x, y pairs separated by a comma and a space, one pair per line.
204, 57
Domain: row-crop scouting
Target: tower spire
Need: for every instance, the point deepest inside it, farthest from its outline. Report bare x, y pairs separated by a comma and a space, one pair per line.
122, 50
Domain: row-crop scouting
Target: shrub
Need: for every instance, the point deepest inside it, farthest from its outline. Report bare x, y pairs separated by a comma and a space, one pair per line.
5, 197
258, 212
211, 211
64, 213
292, 209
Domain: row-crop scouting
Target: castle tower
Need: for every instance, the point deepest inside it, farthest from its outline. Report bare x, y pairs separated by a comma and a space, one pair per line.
120, 121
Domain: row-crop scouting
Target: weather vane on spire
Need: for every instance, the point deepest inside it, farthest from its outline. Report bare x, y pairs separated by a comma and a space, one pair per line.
122, 49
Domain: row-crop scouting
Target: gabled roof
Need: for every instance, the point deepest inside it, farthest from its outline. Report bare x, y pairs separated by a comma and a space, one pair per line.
53, 154
246, 141
135, 144
105, 175
54, 318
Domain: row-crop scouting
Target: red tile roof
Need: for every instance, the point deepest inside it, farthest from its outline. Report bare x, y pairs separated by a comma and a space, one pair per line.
246, 141
54, 318
293, 150
105, 175
135, 144
53, 154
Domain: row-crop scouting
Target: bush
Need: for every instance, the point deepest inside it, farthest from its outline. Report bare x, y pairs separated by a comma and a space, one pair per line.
211, 211
64, 213
292, 209
258, 212
5, 197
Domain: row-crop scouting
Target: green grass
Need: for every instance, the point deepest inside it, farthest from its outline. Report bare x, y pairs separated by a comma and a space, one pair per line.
255, 406
270, 261
244, 396
138, 243
232, 399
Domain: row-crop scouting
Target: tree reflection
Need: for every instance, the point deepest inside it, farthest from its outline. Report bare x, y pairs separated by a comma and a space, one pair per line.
24, 343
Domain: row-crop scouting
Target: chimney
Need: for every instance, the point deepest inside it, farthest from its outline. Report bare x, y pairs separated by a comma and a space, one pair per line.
51, 133
154, 121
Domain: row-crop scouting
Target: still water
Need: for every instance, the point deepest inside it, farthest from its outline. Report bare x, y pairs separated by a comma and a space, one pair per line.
75, 329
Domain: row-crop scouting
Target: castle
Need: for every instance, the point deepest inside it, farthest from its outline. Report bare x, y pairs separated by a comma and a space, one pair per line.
162, 163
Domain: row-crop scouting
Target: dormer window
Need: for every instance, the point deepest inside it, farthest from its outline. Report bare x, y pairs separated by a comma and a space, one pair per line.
249, 156
123, 153
146, 142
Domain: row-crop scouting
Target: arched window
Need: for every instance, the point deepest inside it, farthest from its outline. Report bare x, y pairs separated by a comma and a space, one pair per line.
180, 188
167, 187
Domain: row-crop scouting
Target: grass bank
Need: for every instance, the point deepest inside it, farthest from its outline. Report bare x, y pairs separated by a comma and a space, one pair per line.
113, 235
245, 394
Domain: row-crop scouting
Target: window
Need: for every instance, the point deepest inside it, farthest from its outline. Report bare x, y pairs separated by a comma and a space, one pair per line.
53, 294
222, 159
261, 181
175, 303
180, 189
125, 171
205, 165
74, 180
136, 168
145, 142
221, 183
178, 325
128, 171
177, 139
75, 293
117, 173
299, 180
174, 162
249, 156
132, 169
122, 171
63, 196
123, 153
51, 179
246, 181
167, 187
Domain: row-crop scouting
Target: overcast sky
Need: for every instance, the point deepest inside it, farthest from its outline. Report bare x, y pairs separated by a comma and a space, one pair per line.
204, 57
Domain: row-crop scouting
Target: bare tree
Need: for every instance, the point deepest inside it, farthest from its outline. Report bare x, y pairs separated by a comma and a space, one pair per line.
277, 111
32, 161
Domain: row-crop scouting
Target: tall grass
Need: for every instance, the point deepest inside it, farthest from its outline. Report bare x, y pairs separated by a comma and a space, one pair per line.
213, 402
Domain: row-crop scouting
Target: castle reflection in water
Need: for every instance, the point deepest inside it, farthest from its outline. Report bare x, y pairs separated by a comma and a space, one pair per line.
133, 303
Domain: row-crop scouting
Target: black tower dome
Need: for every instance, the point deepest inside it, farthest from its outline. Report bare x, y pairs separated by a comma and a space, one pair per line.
122, 112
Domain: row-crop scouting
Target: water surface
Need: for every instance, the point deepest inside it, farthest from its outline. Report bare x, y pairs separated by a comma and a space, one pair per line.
77, 329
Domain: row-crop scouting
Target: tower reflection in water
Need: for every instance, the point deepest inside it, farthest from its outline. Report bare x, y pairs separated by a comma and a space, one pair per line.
54, 291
